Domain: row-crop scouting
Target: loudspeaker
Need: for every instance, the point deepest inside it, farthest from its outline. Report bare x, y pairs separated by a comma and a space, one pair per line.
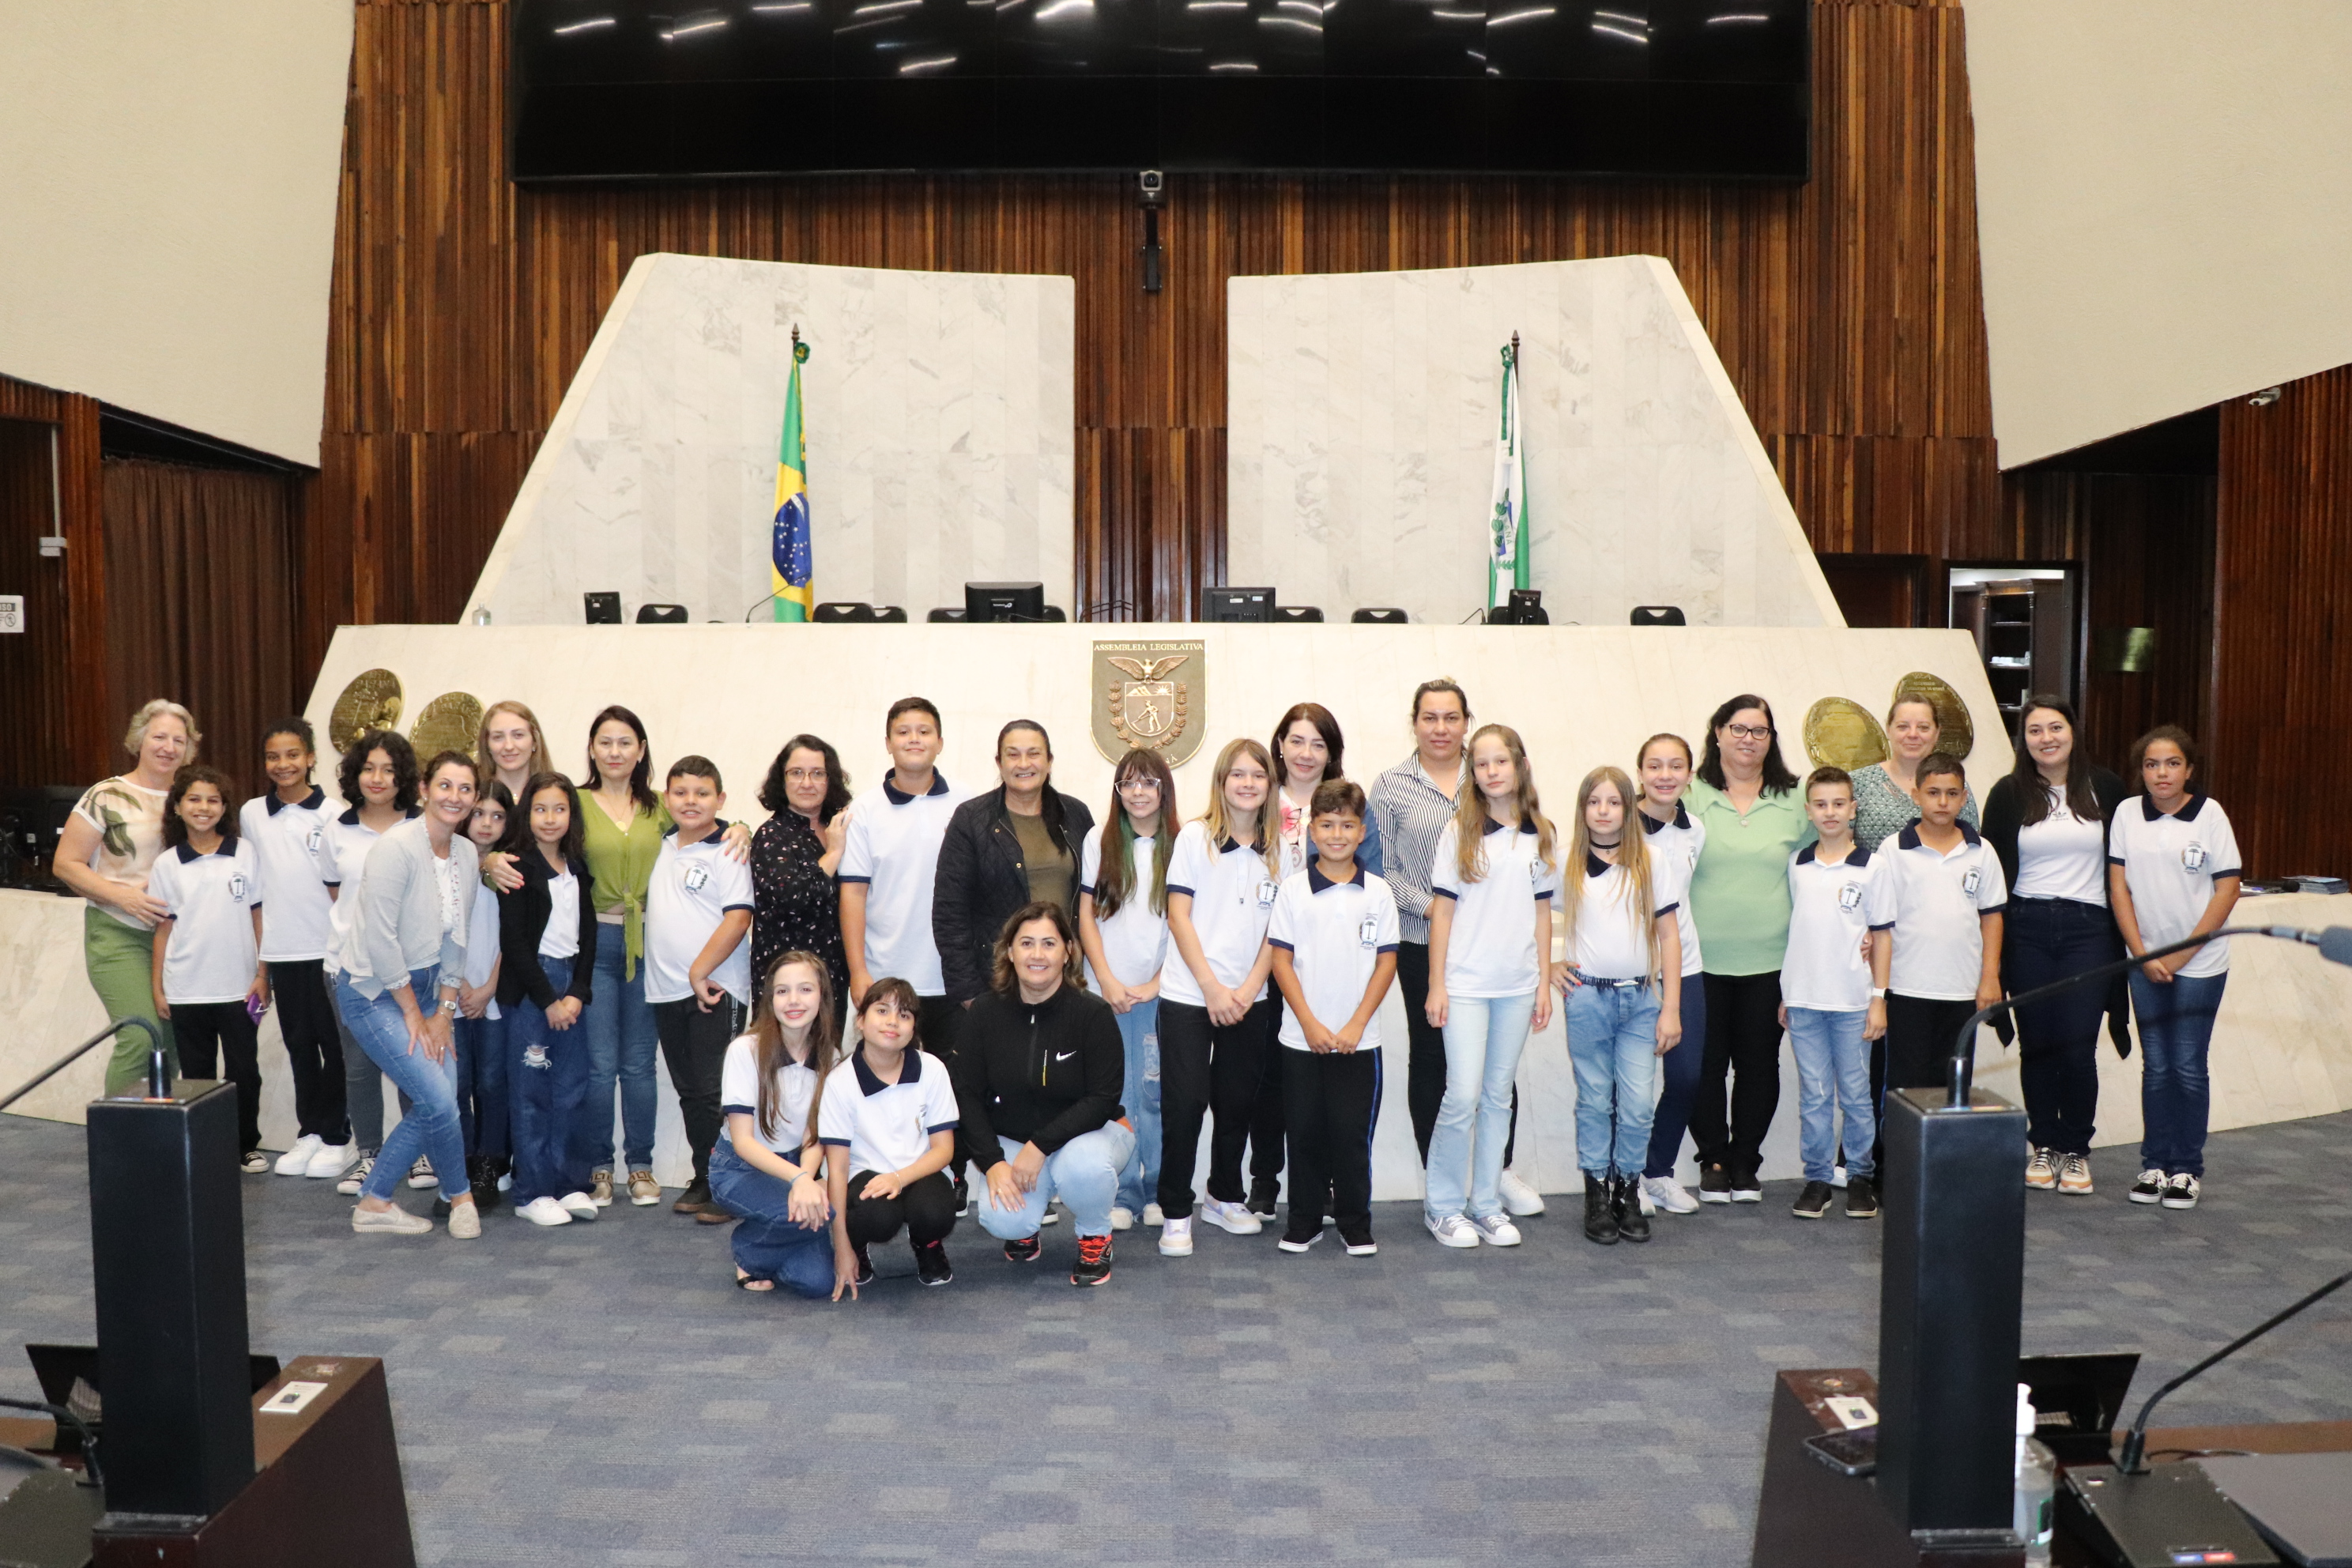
603, 609
1659, 616
661, 614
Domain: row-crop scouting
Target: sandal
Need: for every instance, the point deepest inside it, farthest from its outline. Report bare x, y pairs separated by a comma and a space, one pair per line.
758, 1287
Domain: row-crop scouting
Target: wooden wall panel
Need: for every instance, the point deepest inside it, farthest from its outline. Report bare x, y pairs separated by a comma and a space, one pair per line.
57, 707
1846, 309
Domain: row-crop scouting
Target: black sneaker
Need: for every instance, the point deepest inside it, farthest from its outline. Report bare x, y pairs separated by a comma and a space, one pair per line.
962, 1197
864, 1262
1746, 1188
1600, 1214
1358, 1237
1093, 1265
1860, 1197
1714, 1184
931, 1263
1262, 1202
482, 1177
1027, 1250
1299, 1241
1815, 1200
2149, 1188
691, 1200
1625, 1204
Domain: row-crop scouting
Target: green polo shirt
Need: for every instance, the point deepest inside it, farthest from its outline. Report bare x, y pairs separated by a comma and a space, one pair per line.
1739, 889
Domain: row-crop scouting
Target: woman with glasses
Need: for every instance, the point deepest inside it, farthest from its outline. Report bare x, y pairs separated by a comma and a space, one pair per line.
794, 906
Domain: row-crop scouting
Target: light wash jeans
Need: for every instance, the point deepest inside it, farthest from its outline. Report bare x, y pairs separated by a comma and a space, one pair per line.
1139, 1179
430, 1127
621, 1045
1832, 1075
1613, 1043
1083, 1172
1483, 1038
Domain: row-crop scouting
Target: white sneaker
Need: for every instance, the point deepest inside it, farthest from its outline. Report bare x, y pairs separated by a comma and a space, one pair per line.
1666, 1193
1176, 1238
1454, 1230
296, 1162
545, 1211
1122, 1218
1519, 1198
1838, 1177
1152, 1215
1496, 1230
356, 1176
393, 1221
579, 1205
506, 1181
420, 1174
329, 1159
464, 1221
1234, 1217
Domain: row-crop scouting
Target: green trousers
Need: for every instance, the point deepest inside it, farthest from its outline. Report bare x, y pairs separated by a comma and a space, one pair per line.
121, 961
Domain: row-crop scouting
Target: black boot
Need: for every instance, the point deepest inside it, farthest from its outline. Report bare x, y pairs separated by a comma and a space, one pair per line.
1600, 1214
482, 1175
1625, 1203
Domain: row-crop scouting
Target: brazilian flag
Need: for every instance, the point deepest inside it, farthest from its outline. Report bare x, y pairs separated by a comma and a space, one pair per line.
791, 560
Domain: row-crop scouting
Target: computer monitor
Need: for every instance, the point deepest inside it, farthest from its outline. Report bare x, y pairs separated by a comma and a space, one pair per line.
602, 609
1525, 609
1237, 604
1004, 601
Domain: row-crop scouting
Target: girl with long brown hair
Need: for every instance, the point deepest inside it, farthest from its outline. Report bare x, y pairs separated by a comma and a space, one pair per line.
1123, 927
768, 1169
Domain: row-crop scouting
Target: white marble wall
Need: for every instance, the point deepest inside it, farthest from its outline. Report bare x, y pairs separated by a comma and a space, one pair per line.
1363, 410
938, 429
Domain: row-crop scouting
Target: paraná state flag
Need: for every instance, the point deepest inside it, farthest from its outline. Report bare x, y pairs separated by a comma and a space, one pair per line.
791, 560
1507, 520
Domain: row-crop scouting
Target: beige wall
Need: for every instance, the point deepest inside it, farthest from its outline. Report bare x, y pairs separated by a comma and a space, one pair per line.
2164, 203
167, 206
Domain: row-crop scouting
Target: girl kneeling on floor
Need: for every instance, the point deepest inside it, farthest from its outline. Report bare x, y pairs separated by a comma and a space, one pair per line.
888, 1119
767, 1167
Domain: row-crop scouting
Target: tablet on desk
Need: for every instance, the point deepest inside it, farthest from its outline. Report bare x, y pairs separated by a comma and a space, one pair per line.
2297, 1501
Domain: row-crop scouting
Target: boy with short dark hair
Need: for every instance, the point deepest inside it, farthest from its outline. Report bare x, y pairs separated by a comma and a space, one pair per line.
1949, 896
1334, 935
697, 965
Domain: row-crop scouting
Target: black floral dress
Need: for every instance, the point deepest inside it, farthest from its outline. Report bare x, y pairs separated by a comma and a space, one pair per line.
794, 904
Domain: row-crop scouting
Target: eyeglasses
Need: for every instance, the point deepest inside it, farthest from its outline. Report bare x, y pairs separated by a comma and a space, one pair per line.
1748, 731
804, 775
1140, 781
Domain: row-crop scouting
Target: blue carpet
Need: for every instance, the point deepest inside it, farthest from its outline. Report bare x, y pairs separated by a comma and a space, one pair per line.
602, 1393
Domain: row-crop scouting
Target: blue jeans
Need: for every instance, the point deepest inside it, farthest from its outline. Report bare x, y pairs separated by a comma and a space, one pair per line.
1832, 1075
430, 1127
1678, 1074
1483, 1038
547, 1079
1139, 1031
482, 1085
768, 1244
1613, 1043
2176, 1097
621, 1045
1085, 1172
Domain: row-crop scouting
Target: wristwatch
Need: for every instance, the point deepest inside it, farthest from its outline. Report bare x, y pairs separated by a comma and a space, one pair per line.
1878, 993
449, 1006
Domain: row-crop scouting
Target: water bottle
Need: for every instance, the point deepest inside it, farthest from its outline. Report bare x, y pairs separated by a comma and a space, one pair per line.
2036, 1484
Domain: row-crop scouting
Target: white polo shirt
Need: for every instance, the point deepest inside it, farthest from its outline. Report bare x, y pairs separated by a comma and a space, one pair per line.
2170, 864
1939, 903
892, 846
1829, 910
1490, 950
1613, 938
1334, 933
1232, 898
210, 900
738, 1089
1677, 845
290, 842
886, 1126
1135, 940
694, 886
347, 843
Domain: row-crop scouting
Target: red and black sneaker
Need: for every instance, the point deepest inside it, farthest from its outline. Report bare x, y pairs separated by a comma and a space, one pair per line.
931, 1263
1093, 1260
1026, 1250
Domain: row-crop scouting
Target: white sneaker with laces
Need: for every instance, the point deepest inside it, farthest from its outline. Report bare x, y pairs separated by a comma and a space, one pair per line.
1496, 1230
2182, 1192
579, 1205
420, 1174
393, 1221
1666, 1193
1452, 1230
2149, 1187
545, 1211
1519, 1198
1176, 1238
466, 1221
329, 1159
296, 1162
2042, 1171
254, 1163
1152, 1216
1122, 1217
1234, 1217
356, 1177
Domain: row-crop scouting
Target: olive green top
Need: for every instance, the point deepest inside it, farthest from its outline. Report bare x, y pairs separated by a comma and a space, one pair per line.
1048, 865
621, 866
1739, 889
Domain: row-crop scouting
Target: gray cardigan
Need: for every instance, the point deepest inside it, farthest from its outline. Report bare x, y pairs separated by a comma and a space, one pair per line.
396, 920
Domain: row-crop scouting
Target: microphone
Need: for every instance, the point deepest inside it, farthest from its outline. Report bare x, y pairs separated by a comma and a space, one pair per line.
760, 605
2335, 945
2133, 1460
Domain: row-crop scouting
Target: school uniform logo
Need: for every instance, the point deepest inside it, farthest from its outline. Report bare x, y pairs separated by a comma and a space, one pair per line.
1265, 891
1850, 895
2192, 858
236, 884
1369, 934
1143, 705
698, 875
1972, 881
312, 839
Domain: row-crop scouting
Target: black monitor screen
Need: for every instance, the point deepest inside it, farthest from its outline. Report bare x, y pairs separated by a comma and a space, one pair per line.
1676, 89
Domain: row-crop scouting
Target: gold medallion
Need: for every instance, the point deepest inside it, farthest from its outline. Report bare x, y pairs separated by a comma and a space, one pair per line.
1959, 732
1841, 733
1153, 695
372, 701
450, 722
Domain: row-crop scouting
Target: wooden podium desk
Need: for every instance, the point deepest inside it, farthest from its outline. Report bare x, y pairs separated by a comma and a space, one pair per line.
1809, 1516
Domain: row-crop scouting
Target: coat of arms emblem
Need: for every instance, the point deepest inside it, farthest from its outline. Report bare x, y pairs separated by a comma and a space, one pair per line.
1151, 695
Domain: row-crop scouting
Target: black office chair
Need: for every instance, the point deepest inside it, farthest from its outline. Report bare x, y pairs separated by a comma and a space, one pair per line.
1382, 615
1658, 615
842, 610
1301, 614
661, 614
947, 613
894, 615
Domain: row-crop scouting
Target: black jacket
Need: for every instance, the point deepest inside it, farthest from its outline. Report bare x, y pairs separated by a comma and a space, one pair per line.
522, 921
1040, 1075
2004, 820
982, 880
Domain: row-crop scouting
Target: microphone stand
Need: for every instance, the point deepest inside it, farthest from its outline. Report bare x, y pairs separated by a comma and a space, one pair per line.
159, 1066
2134, 1458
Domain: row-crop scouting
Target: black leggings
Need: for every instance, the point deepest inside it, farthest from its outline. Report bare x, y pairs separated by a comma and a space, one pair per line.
1208, 1069
314, 1049
1743, 1044
925, 1208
